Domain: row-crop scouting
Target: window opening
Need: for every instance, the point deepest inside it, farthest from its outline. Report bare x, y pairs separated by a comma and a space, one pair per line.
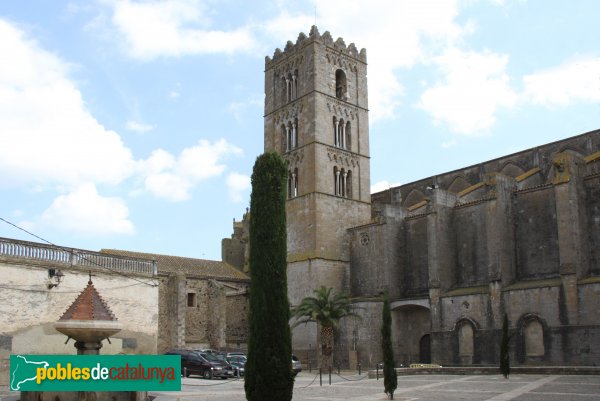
340, 85
292, 183
191, 299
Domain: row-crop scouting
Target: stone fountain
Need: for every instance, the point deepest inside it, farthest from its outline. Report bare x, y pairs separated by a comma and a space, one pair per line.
88, 321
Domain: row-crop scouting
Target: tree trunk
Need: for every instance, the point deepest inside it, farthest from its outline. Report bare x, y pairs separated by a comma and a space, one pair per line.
326, 348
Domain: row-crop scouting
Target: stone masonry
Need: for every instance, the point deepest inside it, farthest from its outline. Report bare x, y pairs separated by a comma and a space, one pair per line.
516, 236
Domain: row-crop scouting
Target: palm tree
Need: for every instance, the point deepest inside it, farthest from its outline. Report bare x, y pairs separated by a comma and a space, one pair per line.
326, 310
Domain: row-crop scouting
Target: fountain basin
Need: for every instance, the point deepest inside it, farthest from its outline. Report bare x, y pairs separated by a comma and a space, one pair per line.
89, 331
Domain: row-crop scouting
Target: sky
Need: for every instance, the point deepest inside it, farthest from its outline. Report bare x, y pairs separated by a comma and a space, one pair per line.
135, 124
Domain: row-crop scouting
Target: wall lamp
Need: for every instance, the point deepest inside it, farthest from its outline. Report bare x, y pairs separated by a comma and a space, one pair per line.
55, 278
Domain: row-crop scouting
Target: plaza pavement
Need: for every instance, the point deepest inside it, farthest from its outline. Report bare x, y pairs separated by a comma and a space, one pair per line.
351, 387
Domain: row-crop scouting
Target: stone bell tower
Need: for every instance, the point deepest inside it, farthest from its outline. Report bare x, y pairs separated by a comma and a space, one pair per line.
316, 117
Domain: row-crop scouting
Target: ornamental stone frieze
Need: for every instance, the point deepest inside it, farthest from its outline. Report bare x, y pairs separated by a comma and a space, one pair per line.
339, 156
288, 112
295, 157
341, 109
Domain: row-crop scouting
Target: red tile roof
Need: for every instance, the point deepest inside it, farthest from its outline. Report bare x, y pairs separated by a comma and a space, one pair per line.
89, 305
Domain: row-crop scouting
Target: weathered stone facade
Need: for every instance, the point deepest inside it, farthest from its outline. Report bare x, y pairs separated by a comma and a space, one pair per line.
164, 302
515, 236
202, 303
518, 235
31, 302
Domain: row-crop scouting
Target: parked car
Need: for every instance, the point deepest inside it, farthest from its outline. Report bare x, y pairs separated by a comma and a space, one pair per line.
237, 359
236, 354
205, 365
220, 367
296, 365
238, 363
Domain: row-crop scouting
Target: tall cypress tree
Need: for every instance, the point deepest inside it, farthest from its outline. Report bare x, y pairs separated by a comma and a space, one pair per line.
268, 369
390, 380
504, 354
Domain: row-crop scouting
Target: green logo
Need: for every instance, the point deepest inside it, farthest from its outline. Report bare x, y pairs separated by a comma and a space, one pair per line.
95, 372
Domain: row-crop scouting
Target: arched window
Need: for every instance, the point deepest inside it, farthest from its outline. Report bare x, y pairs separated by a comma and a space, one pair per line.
534, 338
340, 85
295, 134
348, 137
289, 84
342, 182
295, 85
292, 183
290, 132
348, 183
339, 133
336, 181
335, 131
283, 93
284, 139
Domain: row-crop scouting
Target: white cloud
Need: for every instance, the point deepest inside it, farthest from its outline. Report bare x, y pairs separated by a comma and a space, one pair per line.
382, 186
575, 80
173, 178
50, 142
47, 134
84, 211
406, 33
173, 28
474, 88
237, 184
137, 126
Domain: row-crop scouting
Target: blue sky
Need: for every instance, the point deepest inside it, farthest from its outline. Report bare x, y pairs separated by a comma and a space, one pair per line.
135, 124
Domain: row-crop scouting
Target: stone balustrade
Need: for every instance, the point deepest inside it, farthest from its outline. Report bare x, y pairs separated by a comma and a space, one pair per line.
71, 257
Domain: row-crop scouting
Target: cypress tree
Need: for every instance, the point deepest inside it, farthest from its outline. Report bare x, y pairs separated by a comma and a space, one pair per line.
268, 369
504, 355
390, 380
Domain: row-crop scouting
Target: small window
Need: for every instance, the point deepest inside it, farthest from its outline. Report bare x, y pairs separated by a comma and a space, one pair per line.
341, 88
191, 298
292, 184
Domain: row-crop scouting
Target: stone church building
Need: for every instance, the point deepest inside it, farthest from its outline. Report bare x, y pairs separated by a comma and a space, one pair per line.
516, 236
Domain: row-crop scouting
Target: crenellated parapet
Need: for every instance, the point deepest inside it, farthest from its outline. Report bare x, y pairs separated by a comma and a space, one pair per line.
338, 47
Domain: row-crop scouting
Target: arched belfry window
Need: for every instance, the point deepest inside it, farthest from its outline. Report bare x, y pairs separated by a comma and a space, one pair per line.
284, 139
348, 136
342, 182
289, 86
340, 134
290, 135
295, 84
348, 184
292, 184
341, 88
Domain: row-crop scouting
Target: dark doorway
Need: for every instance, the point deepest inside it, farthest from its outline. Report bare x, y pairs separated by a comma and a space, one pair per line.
425, 349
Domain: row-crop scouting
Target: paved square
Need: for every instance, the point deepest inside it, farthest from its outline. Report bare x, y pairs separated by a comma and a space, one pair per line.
351, 387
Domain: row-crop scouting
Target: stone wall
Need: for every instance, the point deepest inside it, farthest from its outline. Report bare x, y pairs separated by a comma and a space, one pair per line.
29, 309
516, 235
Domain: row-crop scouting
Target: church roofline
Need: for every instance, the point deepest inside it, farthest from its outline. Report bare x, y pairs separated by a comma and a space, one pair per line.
314, 36
505, 157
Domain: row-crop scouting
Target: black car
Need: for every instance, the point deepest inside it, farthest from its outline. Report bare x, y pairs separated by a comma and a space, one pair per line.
238, 363
205, 365
220, 368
